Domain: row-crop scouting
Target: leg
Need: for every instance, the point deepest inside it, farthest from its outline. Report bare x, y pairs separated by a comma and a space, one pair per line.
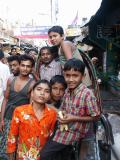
51, 150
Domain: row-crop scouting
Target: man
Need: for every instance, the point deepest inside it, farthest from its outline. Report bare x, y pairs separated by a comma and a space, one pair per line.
16, 94
14, 64
4, 75
49, 67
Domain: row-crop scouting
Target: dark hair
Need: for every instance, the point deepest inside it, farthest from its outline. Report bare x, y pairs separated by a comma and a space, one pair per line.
13, 58
54, 51
41, 81
13, 49
58, 79
26, 57
1, 54
43, 48
32, 49
75, 64
57, 29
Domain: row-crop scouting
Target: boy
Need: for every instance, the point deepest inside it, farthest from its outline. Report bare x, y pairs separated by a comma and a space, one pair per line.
79, 107
66, 49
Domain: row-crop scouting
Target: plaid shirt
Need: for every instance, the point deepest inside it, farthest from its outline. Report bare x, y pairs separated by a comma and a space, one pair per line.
47, 72
81, 103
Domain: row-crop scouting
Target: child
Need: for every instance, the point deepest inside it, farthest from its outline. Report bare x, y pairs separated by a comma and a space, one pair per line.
66, 49
31, 125
58, 86
79, 107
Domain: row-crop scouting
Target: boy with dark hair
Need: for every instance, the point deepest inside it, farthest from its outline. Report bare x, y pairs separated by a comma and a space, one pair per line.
79, 109
14, 64
58, 86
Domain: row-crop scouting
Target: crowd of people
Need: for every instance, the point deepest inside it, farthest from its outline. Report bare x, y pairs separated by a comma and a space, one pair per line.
46, 100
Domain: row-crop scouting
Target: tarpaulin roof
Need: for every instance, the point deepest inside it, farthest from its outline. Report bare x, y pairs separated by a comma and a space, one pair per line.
108, 13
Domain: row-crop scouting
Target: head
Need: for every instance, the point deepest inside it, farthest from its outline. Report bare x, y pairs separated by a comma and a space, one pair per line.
2, 56
46, 55
13, 51
33, 53
26, 64
14, 64
58, 86
56, 35
41, 92
74, 73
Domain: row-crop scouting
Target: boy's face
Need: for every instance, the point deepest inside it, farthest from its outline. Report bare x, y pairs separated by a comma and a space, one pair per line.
41, 93
55, 38
25, 68
73, 78
57, 91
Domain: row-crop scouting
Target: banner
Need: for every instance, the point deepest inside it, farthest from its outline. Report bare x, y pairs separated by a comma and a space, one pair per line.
32, 32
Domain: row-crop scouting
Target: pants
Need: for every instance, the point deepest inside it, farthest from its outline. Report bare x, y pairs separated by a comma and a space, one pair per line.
55, 151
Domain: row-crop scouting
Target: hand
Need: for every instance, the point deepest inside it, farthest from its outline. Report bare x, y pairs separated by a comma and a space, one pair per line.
66, 119
2, 126
94, 60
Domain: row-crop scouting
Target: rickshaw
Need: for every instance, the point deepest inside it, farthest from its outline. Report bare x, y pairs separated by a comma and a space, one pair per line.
97, 145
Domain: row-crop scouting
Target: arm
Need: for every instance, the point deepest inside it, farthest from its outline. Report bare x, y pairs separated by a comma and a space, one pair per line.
13, 134
68, 118
53, 122
91, 110
35, 74
6, 96
67, 49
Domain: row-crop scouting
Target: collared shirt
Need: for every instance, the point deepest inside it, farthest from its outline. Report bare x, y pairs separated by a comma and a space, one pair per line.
81, 103
28, 133
4, 75
47, 72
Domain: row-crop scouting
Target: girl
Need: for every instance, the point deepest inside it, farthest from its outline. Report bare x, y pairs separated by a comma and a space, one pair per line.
31, 125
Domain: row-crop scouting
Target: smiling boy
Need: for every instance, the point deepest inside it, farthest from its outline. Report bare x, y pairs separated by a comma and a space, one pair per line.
80, 109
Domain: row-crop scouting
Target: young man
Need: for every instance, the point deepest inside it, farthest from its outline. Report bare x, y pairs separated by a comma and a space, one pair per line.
14, 64
79, 109
16, 94
49, 67
66, 50
31, 125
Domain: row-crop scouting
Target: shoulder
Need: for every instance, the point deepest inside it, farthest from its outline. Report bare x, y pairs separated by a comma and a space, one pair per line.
22, 109
50, 110
4, 67
88, 93
55, 63
65, 44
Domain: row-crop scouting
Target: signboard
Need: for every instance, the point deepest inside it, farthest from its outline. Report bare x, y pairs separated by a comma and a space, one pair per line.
72, 32
32, 32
